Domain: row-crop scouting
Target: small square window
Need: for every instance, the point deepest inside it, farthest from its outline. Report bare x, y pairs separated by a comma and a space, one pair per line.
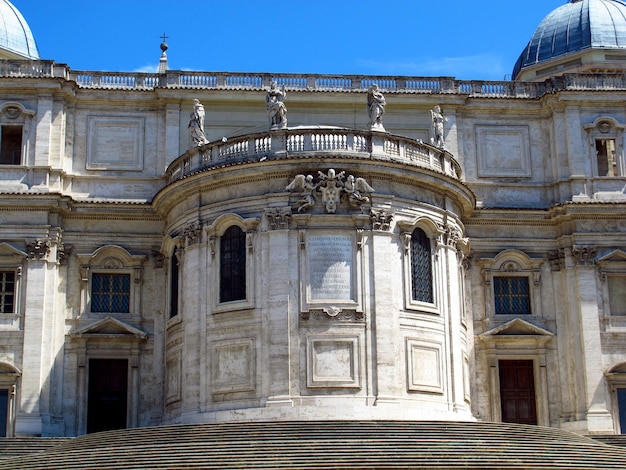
511, 295
7, 291
110, 293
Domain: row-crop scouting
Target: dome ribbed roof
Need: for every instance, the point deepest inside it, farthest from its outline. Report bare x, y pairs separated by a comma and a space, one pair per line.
574, 27
16, 38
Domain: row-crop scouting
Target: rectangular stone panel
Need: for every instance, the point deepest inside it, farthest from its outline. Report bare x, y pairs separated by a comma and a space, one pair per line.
233, 365
330, 262
424, 368
173, 378
115, 143
503, 151
333, 362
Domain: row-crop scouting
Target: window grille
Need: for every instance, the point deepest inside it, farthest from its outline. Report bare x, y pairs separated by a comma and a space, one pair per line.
511, 295
110, 293
233, 265
421, 267
7, 291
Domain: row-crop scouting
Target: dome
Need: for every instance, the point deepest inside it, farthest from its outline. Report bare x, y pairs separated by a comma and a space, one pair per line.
578, 26
16, 39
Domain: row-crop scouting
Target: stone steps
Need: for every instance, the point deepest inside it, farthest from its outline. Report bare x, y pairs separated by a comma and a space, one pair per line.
16, 446
618, 440
329, 444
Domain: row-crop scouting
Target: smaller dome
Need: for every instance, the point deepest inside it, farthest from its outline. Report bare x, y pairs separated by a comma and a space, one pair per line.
578, 26
16, 38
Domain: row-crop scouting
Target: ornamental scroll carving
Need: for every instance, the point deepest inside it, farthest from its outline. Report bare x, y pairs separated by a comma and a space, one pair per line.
584, 255
278, 217
332, 312
333, 187
38, 249
381, 220
192, 233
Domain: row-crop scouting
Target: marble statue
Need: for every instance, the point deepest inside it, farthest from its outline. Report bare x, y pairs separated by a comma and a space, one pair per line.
437, 127
375, 107
276, 109
196, 124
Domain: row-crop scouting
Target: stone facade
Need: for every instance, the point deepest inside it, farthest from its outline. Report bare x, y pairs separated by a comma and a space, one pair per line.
229, 285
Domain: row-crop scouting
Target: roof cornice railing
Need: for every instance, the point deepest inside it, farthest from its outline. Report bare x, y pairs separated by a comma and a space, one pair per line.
177, 79
302, 142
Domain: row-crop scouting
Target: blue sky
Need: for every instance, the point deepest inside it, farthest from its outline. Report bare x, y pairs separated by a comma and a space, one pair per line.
477, 39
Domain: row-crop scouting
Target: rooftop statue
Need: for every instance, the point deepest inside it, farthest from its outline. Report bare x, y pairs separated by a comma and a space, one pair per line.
276, 109
196, 124
437, 127
375, 107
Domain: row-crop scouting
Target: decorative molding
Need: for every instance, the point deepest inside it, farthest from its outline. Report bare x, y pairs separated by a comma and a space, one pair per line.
381, 220
38, 249
584, 255
192, 233
557, 259
159, 259
333, 313
278, 217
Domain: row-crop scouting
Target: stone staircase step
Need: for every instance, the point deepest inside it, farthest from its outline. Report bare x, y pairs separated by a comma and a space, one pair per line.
328, 444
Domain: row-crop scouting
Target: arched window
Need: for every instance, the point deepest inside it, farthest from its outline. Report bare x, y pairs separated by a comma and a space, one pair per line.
233, 265
174, 284
421, 267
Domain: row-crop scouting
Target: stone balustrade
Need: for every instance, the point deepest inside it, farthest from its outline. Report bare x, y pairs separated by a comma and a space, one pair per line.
317, 82
306, 141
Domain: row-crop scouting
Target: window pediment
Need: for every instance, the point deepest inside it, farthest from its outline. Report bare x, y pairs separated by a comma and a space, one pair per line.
515, 331
9, 251
111, 328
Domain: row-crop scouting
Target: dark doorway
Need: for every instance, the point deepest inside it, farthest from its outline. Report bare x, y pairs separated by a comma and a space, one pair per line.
4, 412
621, 403
517, 392
108, 390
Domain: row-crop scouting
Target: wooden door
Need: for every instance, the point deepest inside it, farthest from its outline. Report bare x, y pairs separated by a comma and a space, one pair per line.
108, 391
517, 392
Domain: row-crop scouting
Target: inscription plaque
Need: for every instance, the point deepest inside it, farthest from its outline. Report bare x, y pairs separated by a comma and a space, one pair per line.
115, 143
330, 267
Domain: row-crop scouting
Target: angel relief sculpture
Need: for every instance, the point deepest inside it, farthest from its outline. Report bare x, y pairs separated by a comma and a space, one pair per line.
353, 187
306, 185
332, 186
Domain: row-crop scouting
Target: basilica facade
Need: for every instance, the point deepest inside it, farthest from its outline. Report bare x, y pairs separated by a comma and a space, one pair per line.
197, 247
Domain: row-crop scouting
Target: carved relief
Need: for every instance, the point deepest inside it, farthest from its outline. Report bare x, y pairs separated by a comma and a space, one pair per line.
584, 255
557, 259
38, 249
278, 217
333, 188
332, 313
192, 233
381, 220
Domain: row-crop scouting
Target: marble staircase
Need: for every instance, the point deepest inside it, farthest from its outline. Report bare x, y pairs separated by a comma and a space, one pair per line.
323, 445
